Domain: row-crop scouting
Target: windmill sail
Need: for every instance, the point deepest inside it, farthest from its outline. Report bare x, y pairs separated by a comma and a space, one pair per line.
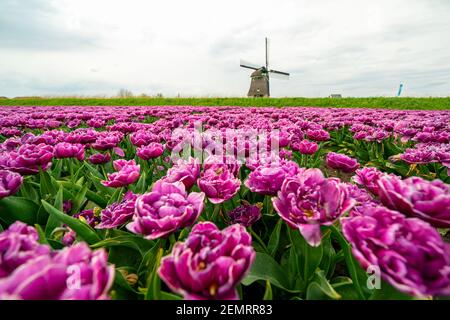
249, 65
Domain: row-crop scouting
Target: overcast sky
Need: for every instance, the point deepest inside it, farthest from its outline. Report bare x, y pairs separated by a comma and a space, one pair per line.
193, 48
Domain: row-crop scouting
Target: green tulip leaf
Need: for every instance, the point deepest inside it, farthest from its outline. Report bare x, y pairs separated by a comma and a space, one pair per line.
309, 257
135, 242
274, 239
268, 295
267, 269
53, 221
13, 209
82, 229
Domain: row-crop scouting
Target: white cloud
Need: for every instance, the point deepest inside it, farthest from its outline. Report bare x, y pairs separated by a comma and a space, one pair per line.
354, 47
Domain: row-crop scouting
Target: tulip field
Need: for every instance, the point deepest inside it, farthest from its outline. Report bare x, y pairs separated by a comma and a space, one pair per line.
224, 203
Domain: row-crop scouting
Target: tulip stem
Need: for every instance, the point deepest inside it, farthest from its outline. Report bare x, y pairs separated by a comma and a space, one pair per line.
172, 240
306, 161
121, 192
349, 260
144, 165
268, 205
258, 239
104, 172
316, 155
214, 214
153, 281
239, 290
152, 169
70, 168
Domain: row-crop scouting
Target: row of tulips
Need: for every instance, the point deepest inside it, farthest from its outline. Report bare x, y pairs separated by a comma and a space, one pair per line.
94, 205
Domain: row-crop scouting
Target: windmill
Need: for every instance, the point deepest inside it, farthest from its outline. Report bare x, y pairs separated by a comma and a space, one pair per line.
400, 89
259, 85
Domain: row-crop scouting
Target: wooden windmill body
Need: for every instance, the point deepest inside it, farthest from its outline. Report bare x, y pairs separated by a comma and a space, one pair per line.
259, 85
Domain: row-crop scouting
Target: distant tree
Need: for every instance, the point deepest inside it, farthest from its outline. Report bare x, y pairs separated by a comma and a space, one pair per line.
124, 93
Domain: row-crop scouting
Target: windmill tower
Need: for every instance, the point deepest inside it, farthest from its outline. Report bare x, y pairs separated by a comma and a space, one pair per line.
259, 85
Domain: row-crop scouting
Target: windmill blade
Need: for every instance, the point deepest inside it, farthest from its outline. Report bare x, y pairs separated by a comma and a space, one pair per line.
267, 52
249, 65
279, 74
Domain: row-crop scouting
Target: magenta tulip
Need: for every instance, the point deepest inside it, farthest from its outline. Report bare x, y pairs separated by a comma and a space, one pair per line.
210, 263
